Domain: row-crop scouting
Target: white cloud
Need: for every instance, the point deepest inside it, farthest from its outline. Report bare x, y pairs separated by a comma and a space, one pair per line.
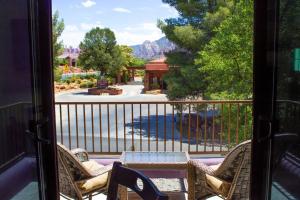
164, 5
88, 3
87, 26
132, 38
70, 28
170, 9
147, 26
121, 10
73, 35
138, 33
99, 12
72, 38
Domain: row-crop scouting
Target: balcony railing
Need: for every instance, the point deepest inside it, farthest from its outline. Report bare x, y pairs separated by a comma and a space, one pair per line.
193, 126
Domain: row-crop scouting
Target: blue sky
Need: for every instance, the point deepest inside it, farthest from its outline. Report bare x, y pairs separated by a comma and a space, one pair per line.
133, 21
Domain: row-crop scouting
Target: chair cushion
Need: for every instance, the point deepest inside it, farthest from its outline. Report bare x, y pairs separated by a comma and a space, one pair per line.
219, 186
215, 167
95, 182
92, 165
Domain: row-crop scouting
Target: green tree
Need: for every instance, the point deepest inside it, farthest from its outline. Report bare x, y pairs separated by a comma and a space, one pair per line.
127, 55
226, 61
98, 50
123, 58
190, 32
137, 62
58, 27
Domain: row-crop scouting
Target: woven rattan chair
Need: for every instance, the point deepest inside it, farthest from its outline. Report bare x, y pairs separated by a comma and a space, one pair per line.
229, 180
80, 177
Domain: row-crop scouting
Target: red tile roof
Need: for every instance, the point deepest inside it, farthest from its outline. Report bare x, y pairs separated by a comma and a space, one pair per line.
157, 65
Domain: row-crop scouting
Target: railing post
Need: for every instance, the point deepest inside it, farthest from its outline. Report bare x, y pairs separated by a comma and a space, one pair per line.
116, 120
100, 126
92, 119
61, 126
108, 127
173, 127
76, 117
124, 126
84, 124
69, 126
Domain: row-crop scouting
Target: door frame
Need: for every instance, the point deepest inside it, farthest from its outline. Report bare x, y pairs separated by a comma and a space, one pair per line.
42, 26
264, 82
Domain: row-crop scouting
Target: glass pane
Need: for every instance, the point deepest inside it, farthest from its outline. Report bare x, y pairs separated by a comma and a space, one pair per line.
155, 157
18, 160
286, 146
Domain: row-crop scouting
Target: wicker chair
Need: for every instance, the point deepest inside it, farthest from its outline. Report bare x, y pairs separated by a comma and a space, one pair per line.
80, 177
229, 180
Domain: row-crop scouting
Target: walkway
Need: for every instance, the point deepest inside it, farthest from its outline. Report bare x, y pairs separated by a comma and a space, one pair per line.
131, 92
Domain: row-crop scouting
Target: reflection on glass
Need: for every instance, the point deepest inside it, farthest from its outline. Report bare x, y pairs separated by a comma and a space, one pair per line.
286, 146
18, 165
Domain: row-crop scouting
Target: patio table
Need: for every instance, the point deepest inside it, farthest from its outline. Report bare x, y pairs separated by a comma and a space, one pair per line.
153, 160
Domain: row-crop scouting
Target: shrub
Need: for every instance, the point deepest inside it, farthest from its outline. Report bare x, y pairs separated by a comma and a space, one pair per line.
90, 84
111, 80
57, 74
155, 86
83, 85
73, 79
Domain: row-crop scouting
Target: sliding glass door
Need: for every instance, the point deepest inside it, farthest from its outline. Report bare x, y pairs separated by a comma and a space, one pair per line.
276, 143
24, 121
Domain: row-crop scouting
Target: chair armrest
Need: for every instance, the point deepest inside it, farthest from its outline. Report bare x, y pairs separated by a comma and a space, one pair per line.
102, 170
197, 187
199, 166
81, 154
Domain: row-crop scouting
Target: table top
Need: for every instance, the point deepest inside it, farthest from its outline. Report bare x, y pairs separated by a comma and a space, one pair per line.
154, 157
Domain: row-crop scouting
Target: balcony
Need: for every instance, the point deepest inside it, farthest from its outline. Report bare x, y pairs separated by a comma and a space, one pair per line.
204, 129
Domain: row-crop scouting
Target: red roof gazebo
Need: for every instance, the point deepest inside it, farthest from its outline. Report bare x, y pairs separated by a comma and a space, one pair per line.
154, 72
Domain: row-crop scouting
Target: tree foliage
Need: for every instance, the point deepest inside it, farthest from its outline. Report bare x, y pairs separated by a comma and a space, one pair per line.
137, 62
99, 50
58, 27
122, 58
226, 61
190, 32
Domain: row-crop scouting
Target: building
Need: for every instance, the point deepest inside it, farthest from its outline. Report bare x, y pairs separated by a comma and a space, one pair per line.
154, 72
71, 54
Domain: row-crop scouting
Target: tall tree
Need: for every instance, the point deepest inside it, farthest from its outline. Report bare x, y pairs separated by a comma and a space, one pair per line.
191, 31
121, 59
98, 50
226, 61
58, 27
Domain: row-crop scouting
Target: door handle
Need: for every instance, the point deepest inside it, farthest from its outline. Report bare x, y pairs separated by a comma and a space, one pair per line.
37, 138
264, 126
36, 125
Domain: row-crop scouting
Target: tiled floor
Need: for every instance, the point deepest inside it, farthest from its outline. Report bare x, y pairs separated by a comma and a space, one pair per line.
29, 192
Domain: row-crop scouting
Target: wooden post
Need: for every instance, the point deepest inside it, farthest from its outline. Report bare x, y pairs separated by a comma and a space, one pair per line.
132, 74
146, 82
118, 78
